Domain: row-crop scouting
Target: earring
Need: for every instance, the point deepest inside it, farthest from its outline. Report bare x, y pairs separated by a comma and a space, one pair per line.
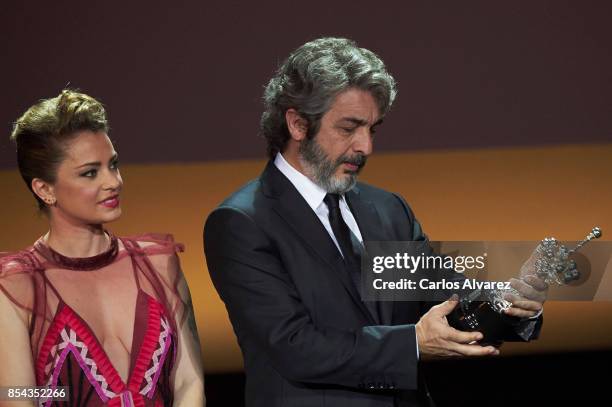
50, 201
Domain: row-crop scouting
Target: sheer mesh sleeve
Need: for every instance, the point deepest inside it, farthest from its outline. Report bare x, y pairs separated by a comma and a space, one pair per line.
22, 283
155, 258
16, 279
158, 243
162, 269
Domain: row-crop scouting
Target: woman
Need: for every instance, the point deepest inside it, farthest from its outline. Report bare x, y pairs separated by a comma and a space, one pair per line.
110, 318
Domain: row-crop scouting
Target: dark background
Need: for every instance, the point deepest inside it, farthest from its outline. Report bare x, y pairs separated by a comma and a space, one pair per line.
183, 82
564, 379
183, 79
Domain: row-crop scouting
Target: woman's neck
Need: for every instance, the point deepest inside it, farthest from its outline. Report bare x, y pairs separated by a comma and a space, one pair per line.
77, 240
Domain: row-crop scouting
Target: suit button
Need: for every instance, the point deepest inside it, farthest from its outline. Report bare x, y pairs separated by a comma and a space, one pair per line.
391, 386
381, 386
371, 386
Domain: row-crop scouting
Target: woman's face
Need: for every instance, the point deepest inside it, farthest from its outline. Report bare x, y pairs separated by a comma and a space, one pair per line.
88, 182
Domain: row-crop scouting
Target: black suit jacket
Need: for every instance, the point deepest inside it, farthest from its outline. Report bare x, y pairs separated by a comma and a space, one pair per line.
306, 337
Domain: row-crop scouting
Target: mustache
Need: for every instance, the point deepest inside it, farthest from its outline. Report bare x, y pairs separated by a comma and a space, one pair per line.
359, 160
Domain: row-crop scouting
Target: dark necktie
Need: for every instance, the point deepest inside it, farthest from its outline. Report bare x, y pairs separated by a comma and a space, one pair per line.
349, 245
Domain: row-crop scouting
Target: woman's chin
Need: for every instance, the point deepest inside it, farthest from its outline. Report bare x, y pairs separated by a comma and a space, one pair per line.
112, 216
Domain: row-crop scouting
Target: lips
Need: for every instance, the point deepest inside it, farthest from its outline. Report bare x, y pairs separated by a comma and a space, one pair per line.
352, 167
111, 202
353, 164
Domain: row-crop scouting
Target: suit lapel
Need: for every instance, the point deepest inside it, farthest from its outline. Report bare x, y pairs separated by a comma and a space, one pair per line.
294, 210
369, 223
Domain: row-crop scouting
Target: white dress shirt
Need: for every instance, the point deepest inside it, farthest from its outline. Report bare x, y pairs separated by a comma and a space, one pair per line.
314, 195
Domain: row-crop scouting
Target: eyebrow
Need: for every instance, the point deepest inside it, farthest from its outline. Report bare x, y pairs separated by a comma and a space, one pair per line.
360, 122
98, 163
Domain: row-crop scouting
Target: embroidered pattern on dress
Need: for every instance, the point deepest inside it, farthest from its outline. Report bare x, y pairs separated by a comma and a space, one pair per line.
80, 351
72, 336
157, 358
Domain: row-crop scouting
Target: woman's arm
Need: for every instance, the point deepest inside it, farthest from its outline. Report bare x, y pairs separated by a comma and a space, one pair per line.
17, 366
188, 373
187, 378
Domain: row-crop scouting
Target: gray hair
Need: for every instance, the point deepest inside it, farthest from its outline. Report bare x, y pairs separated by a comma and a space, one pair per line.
312, 76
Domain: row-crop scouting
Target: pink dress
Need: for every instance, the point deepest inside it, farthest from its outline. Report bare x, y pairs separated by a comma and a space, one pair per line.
73, 303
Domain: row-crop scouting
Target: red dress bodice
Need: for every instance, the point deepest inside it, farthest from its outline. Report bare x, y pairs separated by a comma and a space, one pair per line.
67, 351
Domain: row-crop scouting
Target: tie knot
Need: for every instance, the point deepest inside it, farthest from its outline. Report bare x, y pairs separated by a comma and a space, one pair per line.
332, 201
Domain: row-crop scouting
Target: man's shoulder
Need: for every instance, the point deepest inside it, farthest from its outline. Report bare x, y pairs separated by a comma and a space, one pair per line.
379, 196
252, 200
244, 199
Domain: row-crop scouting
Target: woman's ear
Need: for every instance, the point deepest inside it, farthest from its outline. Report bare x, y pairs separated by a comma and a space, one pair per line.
44, 191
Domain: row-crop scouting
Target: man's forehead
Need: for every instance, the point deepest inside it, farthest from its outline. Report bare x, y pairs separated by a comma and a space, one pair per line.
355, 106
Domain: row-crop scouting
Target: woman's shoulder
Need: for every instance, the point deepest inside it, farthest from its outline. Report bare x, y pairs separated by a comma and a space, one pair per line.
152, 244
18, 262
160, 249
19, 277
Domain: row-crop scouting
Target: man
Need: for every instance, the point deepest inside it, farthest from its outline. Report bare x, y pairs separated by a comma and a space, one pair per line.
283, 250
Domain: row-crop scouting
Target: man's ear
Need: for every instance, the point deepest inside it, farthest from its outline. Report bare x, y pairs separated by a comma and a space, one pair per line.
44, 191
297, 125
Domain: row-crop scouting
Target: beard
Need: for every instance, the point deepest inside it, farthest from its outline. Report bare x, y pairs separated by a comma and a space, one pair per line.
321, 169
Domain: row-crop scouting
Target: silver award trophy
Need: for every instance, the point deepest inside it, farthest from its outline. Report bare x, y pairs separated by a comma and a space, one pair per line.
551, 263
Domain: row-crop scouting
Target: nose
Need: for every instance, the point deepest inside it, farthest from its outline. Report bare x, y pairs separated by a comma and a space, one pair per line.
362, 142
113, 181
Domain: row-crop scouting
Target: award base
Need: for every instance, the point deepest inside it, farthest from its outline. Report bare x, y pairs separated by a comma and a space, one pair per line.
480, 316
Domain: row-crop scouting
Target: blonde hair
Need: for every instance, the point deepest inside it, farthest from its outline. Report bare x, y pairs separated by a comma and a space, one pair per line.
42, 132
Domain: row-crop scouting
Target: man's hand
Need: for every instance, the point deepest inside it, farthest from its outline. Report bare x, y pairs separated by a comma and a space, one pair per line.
437, 338
532, 290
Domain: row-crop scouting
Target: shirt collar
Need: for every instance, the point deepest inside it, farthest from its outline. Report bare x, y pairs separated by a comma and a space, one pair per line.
311, 192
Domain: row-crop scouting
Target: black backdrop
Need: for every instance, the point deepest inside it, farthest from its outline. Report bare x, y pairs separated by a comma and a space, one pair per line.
183, 79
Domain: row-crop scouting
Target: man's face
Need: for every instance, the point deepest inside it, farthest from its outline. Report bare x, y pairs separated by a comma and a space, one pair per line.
337, 153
